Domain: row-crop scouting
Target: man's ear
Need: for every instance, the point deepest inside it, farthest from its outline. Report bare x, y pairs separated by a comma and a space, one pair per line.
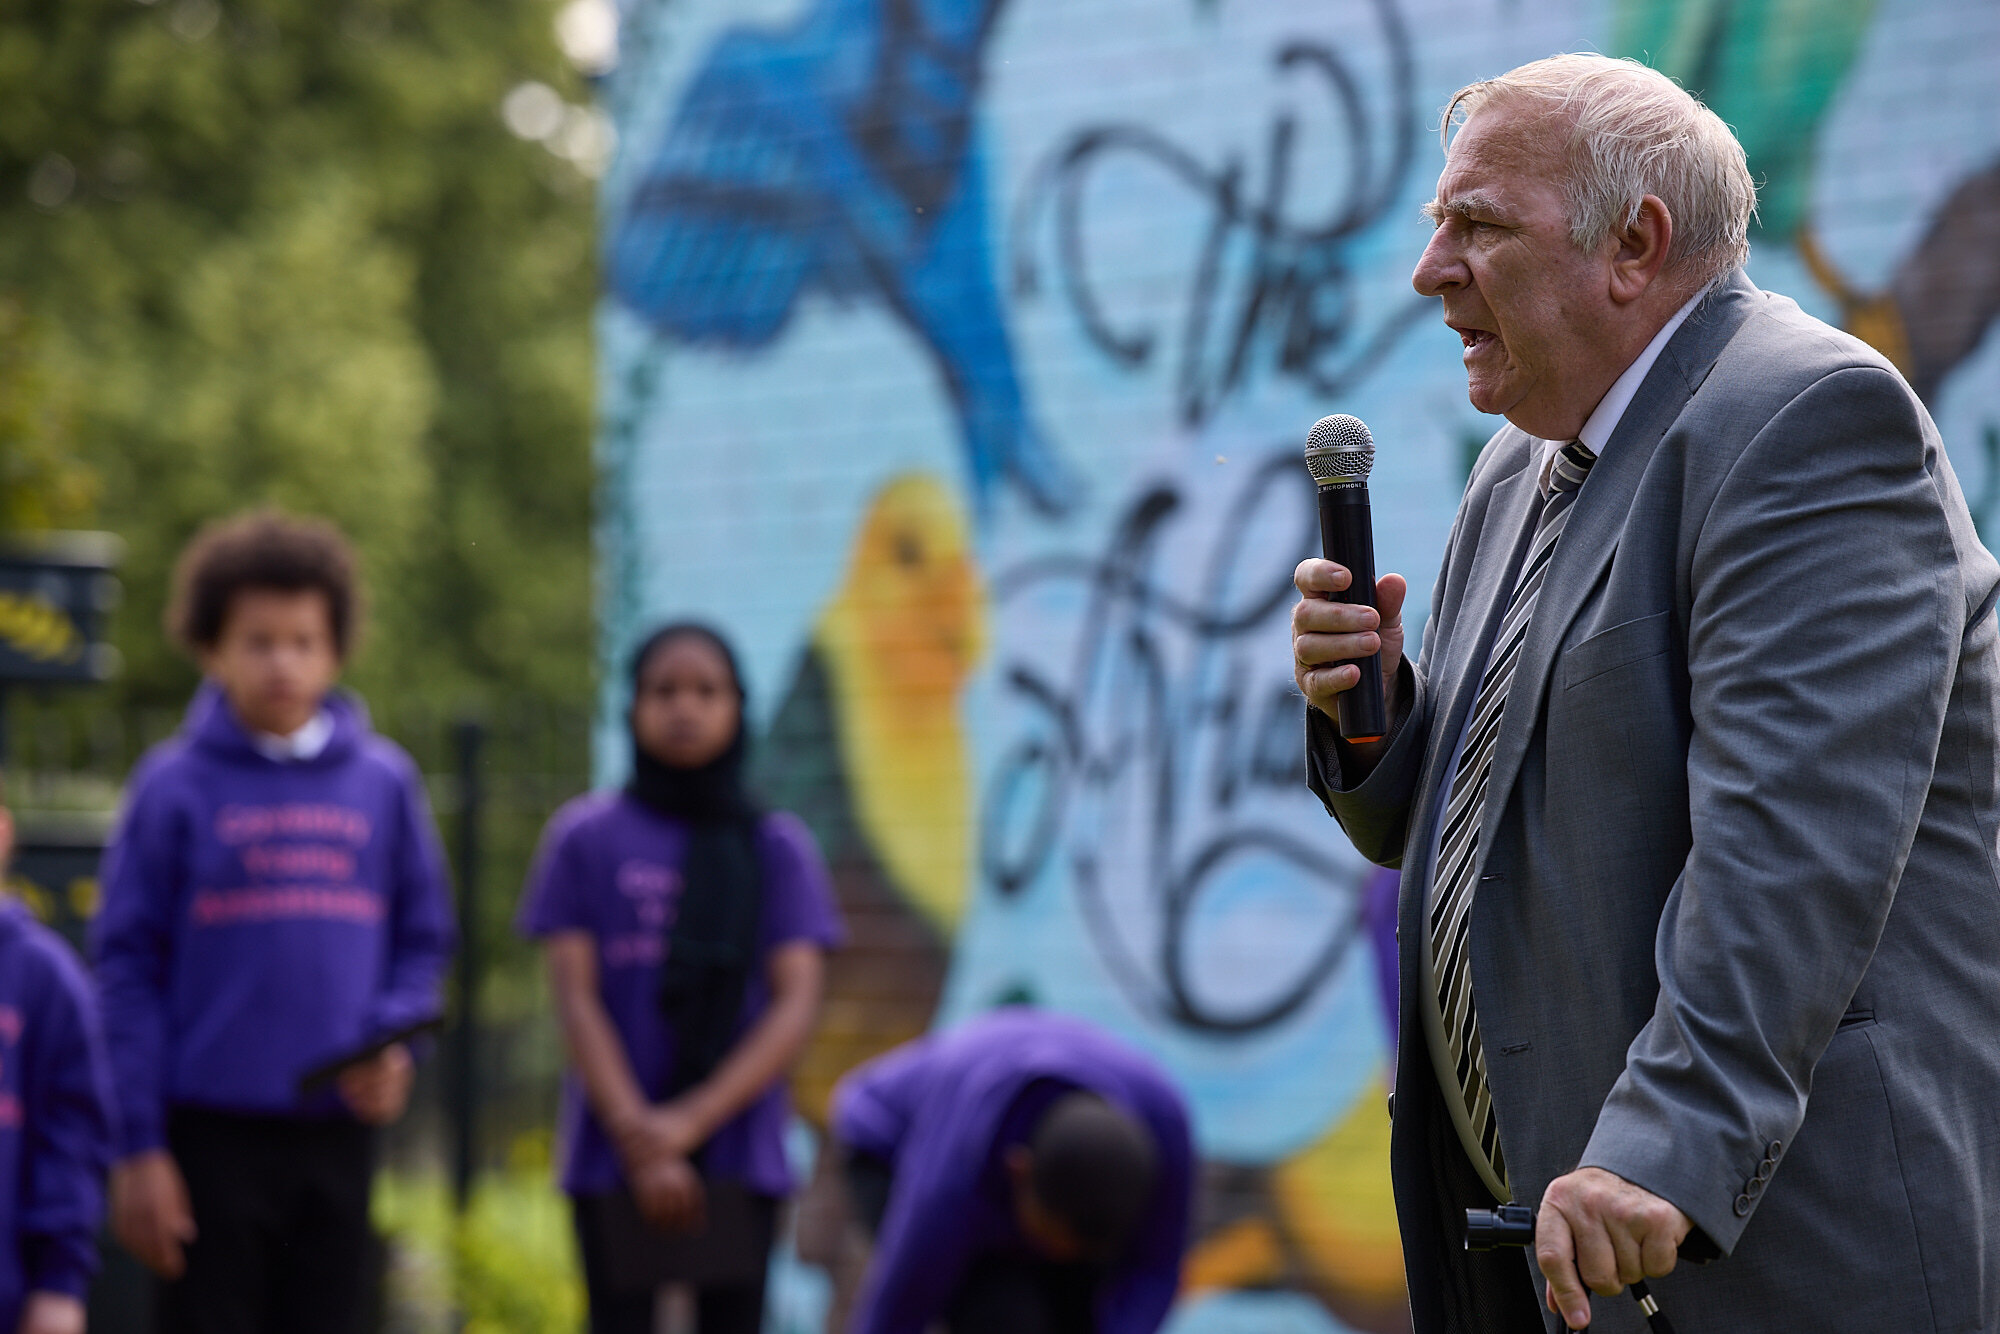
1641, 252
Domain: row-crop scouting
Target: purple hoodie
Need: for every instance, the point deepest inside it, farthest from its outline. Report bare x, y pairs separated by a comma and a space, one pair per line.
263, 916
55, 1116
938, 1109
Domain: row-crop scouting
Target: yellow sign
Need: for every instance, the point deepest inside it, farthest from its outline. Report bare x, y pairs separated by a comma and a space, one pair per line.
37, 629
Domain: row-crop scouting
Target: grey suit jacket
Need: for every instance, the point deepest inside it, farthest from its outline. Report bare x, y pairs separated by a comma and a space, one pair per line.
1737, 932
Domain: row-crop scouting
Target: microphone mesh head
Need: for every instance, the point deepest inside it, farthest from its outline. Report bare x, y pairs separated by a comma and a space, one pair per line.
1340, 449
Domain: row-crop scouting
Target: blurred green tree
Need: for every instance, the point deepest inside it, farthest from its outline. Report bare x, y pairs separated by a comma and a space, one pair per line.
43, 483
289, 252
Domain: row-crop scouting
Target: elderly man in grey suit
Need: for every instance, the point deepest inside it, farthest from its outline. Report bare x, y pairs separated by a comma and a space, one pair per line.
1695, 786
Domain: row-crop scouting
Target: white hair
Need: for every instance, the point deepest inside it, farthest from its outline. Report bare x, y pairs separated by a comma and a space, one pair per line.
1633, 132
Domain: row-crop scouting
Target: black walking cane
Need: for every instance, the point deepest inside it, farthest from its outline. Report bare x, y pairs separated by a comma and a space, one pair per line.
1514, 1225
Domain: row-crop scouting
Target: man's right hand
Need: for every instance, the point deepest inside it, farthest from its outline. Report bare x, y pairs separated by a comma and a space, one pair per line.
150, 1213
1328, 636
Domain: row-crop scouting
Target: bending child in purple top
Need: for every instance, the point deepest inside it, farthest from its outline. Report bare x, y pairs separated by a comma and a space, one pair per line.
1026, 1173
55, 1124
684, 930
274, 900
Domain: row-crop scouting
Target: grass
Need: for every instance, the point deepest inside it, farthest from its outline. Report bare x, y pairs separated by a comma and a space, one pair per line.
507, 1266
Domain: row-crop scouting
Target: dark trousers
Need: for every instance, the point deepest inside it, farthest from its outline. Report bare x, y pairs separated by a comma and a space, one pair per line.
1021, 1294
1004, 1293
1481, 1292
731, 1308
281, 1212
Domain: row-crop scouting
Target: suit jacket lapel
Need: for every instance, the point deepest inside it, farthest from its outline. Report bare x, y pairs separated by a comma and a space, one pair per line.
1590, 538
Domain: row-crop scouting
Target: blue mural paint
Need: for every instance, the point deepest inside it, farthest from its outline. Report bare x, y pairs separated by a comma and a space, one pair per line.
840, 154
1295, 291
1116, 717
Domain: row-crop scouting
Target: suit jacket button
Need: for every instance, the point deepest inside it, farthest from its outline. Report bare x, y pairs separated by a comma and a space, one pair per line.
1765, 1169
1742, 1206
1754, 1188
1777, 1147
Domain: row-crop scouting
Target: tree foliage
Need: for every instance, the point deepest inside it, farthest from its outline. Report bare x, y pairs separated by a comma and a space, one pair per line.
287, 252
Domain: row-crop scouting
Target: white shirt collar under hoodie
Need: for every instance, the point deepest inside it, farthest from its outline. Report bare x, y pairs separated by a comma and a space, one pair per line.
304, 744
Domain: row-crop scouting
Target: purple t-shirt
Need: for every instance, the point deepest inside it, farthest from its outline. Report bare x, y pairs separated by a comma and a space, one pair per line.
611, 867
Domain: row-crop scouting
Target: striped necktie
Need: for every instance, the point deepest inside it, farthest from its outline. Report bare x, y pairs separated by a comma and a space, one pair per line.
1465, 809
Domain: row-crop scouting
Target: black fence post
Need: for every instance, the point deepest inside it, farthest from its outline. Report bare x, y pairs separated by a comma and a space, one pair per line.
470, 737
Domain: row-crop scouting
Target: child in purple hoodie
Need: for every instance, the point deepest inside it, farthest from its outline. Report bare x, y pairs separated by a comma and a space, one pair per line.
1024, 1173
55, 1124
274, 901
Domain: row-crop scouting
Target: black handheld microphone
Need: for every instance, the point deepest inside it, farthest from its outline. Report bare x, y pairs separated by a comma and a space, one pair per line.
1339, 454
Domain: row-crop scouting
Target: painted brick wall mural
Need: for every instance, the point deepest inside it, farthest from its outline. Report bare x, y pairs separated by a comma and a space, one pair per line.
956, 357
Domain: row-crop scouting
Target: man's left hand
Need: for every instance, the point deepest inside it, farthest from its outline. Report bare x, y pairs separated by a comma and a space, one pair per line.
1598, 1230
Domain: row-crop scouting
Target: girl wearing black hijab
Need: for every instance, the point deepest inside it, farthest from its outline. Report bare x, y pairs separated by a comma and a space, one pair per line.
685, 930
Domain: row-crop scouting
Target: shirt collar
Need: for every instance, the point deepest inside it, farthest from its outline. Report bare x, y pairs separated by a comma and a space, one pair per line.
304, 744
1597, 432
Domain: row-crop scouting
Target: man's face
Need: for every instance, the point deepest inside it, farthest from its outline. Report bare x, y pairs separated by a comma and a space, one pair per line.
1531, 309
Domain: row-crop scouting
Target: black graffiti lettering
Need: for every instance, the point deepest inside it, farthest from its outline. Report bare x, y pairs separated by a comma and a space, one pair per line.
1264, 283
1100, 772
